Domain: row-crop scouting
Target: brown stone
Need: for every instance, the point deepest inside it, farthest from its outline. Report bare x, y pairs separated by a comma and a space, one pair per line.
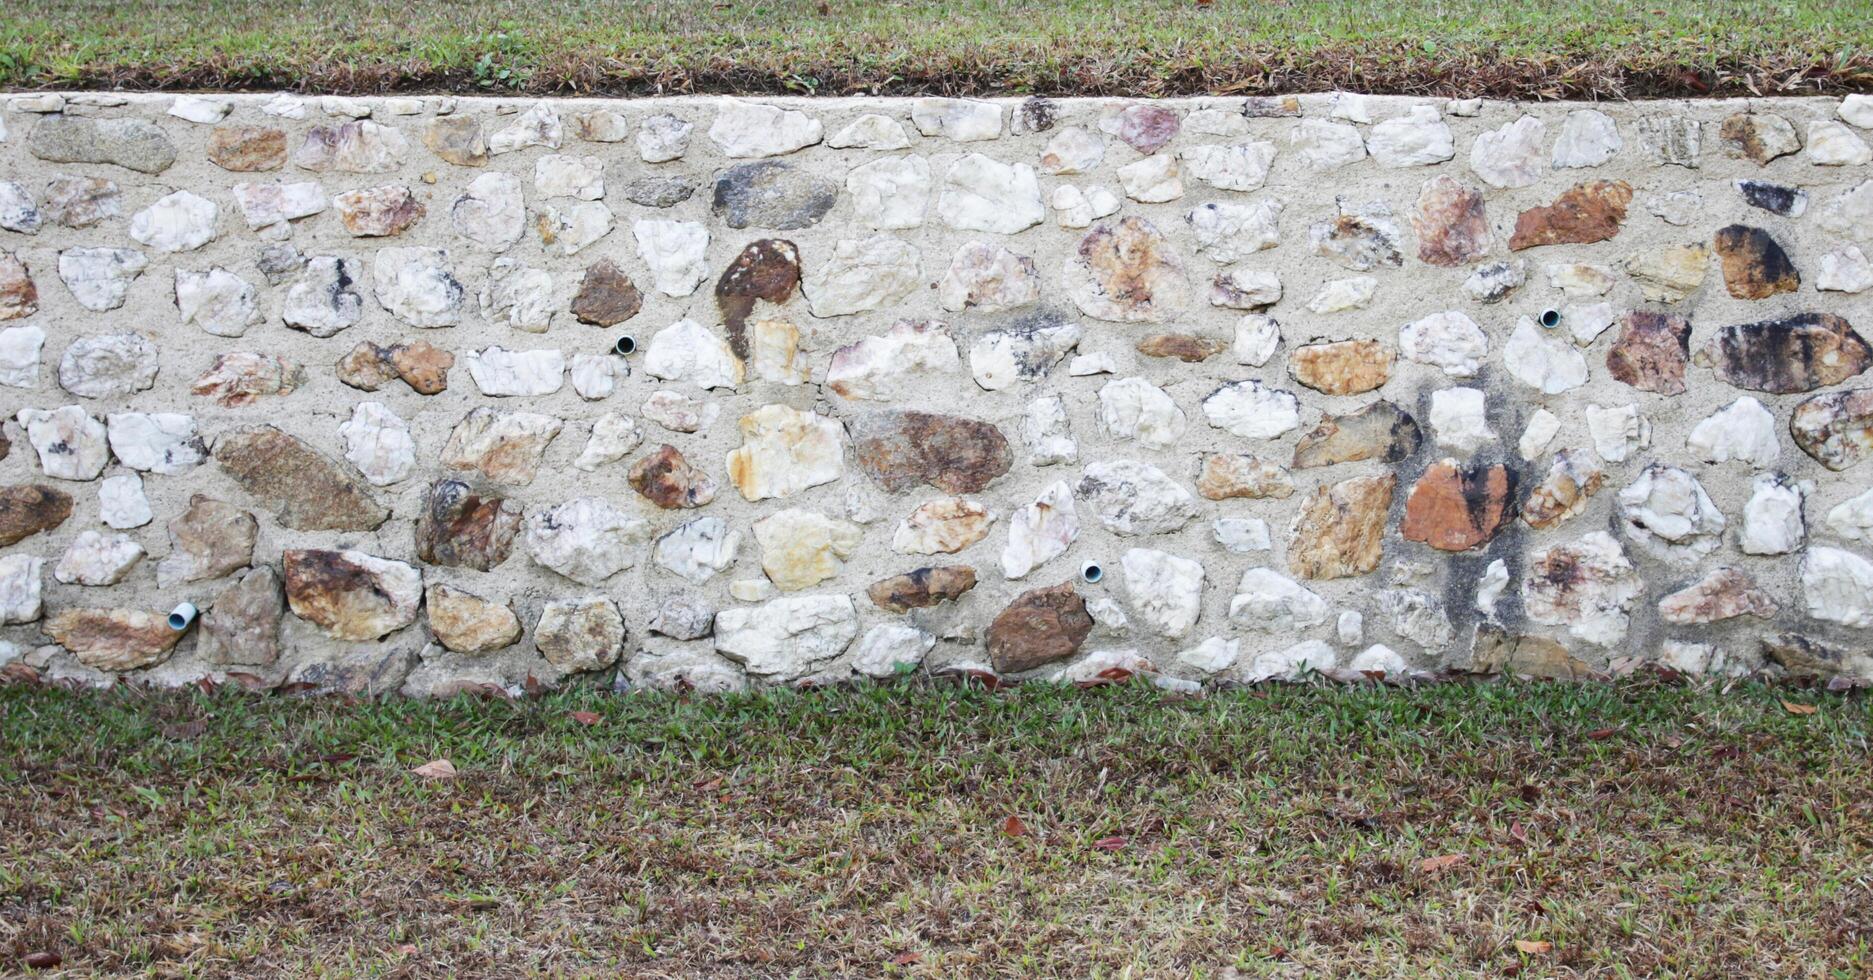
243, 377
1127, 272
1347, 367
1188, 348
1454, 507
242, 626
899, 450
28, 508
245, 149
1804, 657
1145, 128
18, 296
922, 588
211, 539
1360, 237
1271, 107
1497, 651
1651, 352
378, 212
459, 528
1754, 266
1724, 593
351, 595
421, 365
1451, 226
1040, 626
1572, 479
1836, 428
768, 269
1226, 476
114, 639
1791, 355
80, 202
606, 296
1380, 431
580, 634
457, 139
307, 490
1341, 528
1583, 214
466, 623
666, 479
1758, 137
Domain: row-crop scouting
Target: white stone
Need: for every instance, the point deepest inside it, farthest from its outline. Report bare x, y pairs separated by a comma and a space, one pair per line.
888, 648
1449, 341
688, 351
17, 210
1108, 616
1419, 138
675, 251
218, 301
519, 295
1291, 663
576, 226
107, 365
379, 444
680, 413
156, 442
1493, 282
876, 368
1340, 295
1216, 122
1242, 288
22, 590
1489, 587
891, 192
491, 212
1592, 601
1678, 208
595, 376
1547, 365
19, 355
860, 275
988, 278
963, 120
1853, 519
942, 526
1078, 208
745, 129
613, 437
698, 550
1324, 145
71, 444
1086, 365
787, 638
1133, 498
1588, 138
1134, 409
95, 558
1838, 587
1251, 410
662, 138
1073, 150
1831, 144
338, 105
1041, 531
1850, 213
1667, 513
1211, 656
774, 350
1857, 110
982, 194
1270, 602
565, 175
1542, 427
587, 539
1845, 270
1511, 155
1617, 432
1152, 180
324, 298
416, 286
538, 126
1460, 419
1257, 337
1242, 535
200, 109
870, 131
1226, 231
1586, 322
1579, 279
1046, 434
285, 106
502, 373
784, 451
1743, 431
179, 222
1772, 519
801, 548
121, 503
1166, 592
100, 278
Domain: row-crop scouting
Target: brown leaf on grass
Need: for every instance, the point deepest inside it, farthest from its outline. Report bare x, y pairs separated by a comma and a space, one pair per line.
585, 717
183, 731
1602, 734
1111, 675
1440, 864
906, 959
1517, 831
42, 960
436, 769
1013, 827
1796, 708
1533, 947
1110, 844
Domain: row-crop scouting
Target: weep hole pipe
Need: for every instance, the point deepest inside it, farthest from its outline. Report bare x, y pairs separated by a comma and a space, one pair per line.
182, 615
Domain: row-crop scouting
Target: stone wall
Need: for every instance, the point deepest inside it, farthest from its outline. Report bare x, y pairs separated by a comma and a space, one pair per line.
1216, 390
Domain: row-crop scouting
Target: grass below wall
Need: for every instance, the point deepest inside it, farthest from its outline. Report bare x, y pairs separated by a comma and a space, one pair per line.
1529, 49
1634, 830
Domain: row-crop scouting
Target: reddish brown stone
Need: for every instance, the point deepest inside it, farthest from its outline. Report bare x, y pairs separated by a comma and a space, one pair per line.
1754, 266
18, 296
666, 479
1451, 226
922, 588
1038, 627
1651, 352
902, 449
306, 489
245, 149
1455, 507
1725, 593
1188, 348
1583, 214
421, 365
1347, 367
1756, 137
1380, 431
458, 527
768, 269
1788, 356
1341, 529
211, 539
606, 296
1146, 128
27, 508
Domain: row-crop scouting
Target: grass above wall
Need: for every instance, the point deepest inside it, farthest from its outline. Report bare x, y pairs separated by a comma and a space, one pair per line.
1532, 49
1640, 829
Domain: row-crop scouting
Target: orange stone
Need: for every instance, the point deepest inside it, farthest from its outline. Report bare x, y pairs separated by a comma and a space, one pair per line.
1455, 507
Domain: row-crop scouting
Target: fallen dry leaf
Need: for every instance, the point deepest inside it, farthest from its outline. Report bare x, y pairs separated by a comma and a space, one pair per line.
1602, 734
1109, 844
1013, 827
436, 769
1795, 708
906, 959
1437, 865
1533, 946
585, 717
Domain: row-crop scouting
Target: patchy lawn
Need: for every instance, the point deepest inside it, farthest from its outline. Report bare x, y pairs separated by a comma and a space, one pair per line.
917, 830
1530, 49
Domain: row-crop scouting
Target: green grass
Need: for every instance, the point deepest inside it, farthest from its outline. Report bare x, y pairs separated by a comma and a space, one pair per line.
1641, 829
1535, 48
